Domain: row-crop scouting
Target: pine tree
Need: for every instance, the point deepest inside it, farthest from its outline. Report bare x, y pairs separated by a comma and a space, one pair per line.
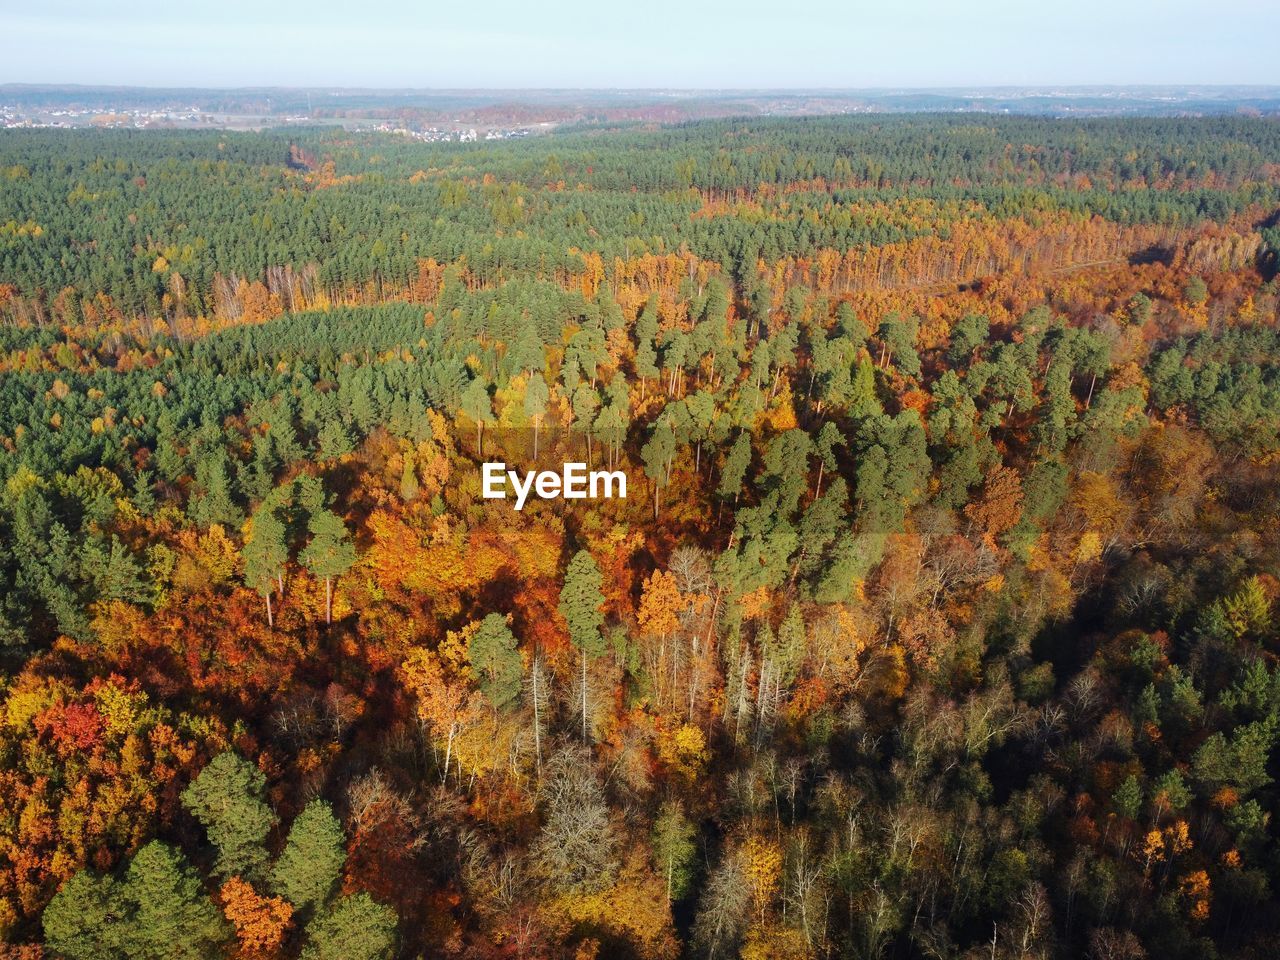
308, 870
495, 660
646, 329
828, 442
87, 919
585, 403
536, 397
477, 405
330, 552
215, 505
334, 440
580, 603
657, 455
157, 911
819, 527
172, 919
144, 494
863, 401
227, 798
265, 555
356, 927
527, 352
1128, 798
734, 471
674, 849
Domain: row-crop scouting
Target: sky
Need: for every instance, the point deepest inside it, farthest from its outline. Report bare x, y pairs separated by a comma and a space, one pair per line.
645, 44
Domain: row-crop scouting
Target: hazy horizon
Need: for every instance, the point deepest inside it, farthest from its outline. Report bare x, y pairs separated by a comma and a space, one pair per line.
573, 45
882, 89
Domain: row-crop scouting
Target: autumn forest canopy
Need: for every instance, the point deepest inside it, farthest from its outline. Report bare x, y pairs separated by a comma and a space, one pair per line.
940, 620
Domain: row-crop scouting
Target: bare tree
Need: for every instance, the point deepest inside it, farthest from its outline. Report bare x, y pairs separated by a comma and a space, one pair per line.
576, 849
723, 910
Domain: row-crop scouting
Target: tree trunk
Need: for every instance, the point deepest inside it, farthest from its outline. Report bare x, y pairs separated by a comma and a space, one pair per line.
584, 695
271, 620
328, 600
537, 719
693, 672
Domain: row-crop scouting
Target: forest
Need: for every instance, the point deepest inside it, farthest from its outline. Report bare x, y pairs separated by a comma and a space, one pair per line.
940, 620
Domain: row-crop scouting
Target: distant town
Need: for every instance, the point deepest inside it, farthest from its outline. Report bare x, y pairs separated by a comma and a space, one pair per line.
465, 116
437, 135
13, 117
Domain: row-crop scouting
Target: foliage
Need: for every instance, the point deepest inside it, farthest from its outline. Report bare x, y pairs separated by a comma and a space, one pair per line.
939, 620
